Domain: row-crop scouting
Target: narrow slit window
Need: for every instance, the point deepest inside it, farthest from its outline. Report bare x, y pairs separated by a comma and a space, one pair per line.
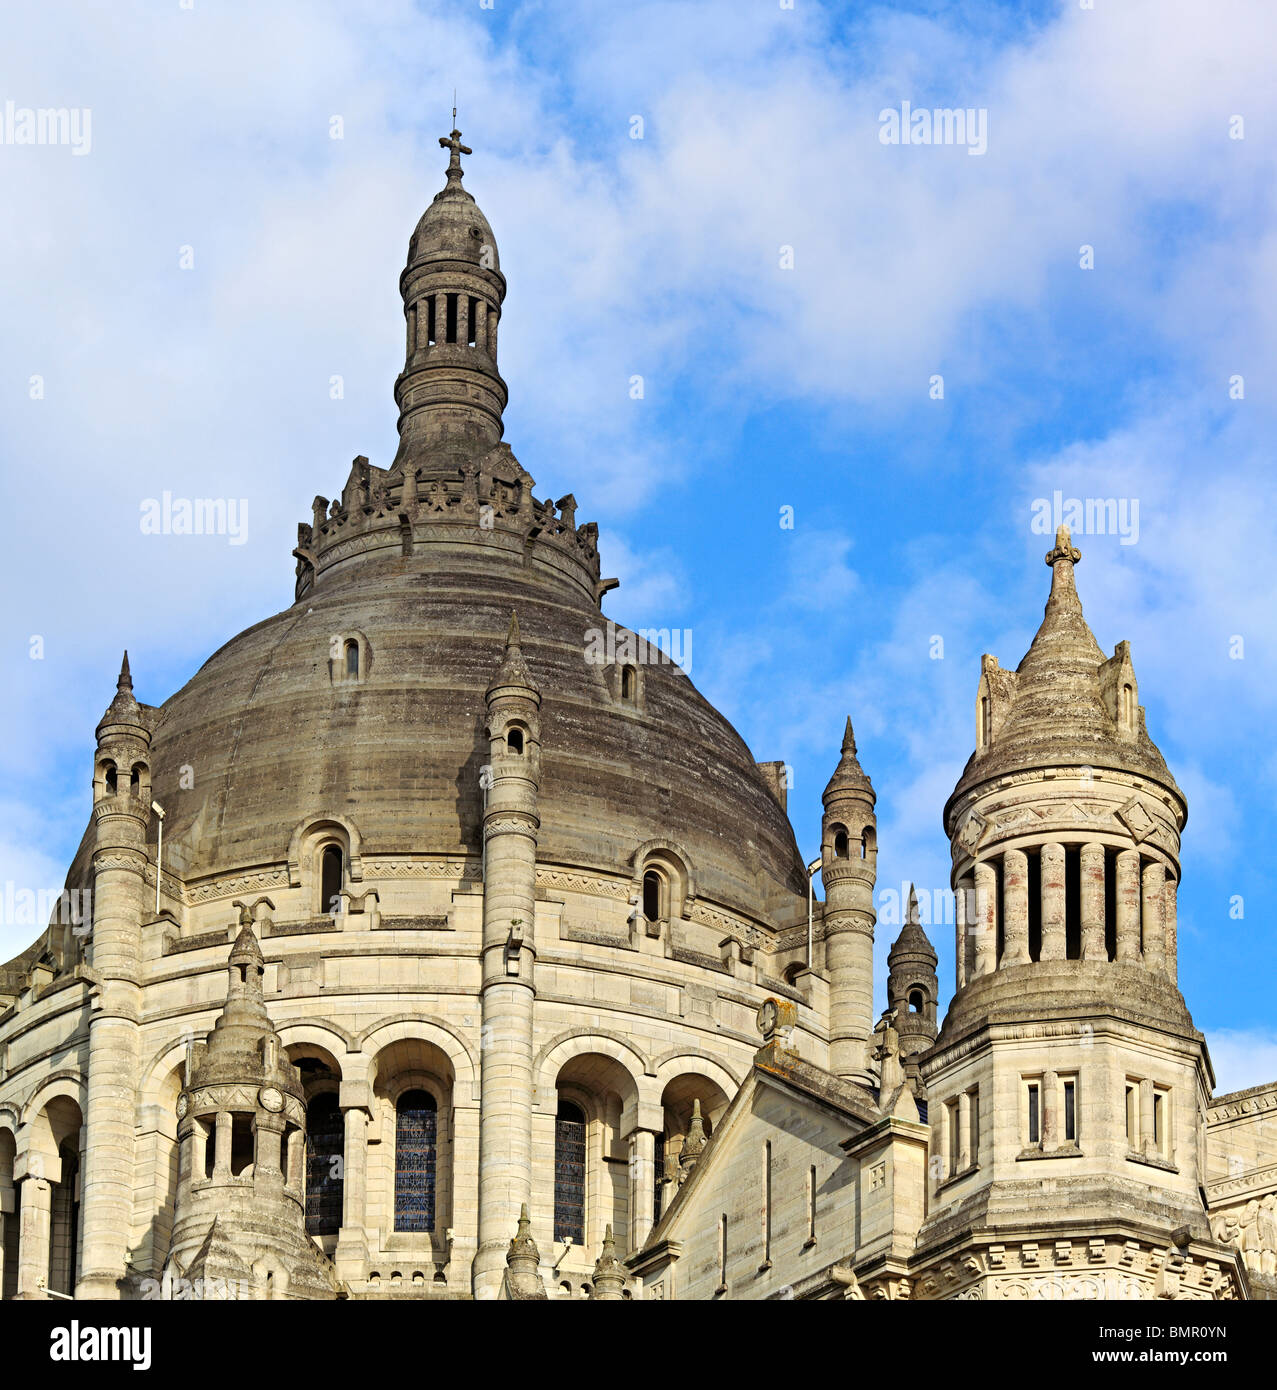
452, 318
352, 658
431, 337
1070, 1111
472, 334
1035, 1128
722, 1252
514, 741
629, 685
652, 895
110, 779
811, 1203
840, 844
1132, 1115
330, 885
767, 1202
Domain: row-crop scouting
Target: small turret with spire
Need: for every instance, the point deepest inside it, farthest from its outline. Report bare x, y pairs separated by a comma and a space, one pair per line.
849, 860
608, 1284
913, 986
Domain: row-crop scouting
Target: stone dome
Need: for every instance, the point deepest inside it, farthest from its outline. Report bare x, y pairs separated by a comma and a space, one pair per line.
453, 228
271, 738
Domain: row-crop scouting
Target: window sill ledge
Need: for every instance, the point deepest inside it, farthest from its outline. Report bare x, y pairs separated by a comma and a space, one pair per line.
957, 1177
1151, 1161
1032, 1153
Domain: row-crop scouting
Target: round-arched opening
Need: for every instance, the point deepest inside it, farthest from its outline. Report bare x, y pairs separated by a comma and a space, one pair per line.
514, 741
331, 876
655, 895
629, 684
917, 1000
352, 658
840, 843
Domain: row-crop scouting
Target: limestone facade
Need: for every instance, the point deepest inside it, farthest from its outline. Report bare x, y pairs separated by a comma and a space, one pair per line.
416, 947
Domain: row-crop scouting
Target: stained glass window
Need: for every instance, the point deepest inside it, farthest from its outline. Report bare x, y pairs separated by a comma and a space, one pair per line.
658, 1184
324, 1144
416, 1133
569, 1174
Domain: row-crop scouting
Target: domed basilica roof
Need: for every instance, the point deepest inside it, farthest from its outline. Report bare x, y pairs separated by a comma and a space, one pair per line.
419, 567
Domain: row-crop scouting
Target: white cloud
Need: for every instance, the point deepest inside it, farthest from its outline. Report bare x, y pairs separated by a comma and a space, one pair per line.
1242, 1057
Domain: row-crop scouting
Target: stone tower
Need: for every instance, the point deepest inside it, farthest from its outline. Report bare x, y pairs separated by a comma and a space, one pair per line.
1067, 1063
450, 394
239, 1222
510, 824
121, 812
912, 986
849, 866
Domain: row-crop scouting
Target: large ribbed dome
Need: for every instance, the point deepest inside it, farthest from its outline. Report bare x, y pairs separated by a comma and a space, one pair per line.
271, 738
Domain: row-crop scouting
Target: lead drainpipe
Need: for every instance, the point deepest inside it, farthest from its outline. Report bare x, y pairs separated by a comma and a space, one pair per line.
159, 853
812, 870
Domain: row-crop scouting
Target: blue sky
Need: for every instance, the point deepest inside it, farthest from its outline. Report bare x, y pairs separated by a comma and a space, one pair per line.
765, 387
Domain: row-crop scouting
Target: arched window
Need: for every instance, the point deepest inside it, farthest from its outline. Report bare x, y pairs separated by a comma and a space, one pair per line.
352, 659
840, 843
569, 1174
653, 895
1128, 706
332, 874
324, 1146
629, 684
868, 841
416, 1136
514, 741
916, 1001
135, 779
110, 779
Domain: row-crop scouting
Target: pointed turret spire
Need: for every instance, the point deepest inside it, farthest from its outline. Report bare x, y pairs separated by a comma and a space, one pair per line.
124, 708
512, 673
848, 774
608, 1283
693, 1144
523, 1260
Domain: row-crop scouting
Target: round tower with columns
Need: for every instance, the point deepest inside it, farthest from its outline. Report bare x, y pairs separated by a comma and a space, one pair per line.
512, 780
1067, 1055
239, 1222
450, 394
849, 867
121, 813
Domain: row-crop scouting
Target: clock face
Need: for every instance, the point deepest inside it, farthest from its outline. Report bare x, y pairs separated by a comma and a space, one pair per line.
182, 1105
270, 1099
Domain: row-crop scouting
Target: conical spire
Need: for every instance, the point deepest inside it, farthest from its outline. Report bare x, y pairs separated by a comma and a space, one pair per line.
608, 1283
913, 940
1053, 705
849, 775
512, 674
124, 708
693, 1144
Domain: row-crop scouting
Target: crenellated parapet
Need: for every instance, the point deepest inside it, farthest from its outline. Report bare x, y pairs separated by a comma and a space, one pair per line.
486, 503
